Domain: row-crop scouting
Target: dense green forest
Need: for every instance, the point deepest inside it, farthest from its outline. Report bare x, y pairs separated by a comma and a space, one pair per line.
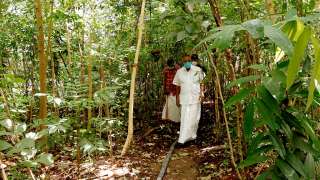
81, 88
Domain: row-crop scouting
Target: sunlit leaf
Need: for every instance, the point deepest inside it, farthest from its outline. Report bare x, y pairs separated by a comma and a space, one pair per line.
299, 51
287, 170
46, 159
4, 145
279, 38
241, 95
242, 80
315, 75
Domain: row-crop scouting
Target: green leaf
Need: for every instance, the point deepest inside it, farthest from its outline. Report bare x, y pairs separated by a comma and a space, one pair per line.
224, 37
310, 166
181, 35
46, 159
248, 121
267, 116
304, 145
29, 164
287, 170
268, 99
20, 127
242, 80
255, 142
254, 27
269, 174
279, 38
315, 75
251, 160
242, 94
310, 131
299, 51
25, 143
278, 145
260, 67
296, 163
4, 145
287, 130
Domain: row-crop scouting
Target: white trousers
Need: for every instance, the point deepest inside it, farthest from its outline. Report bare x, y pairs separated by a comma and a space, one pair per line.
190, 116
170, 110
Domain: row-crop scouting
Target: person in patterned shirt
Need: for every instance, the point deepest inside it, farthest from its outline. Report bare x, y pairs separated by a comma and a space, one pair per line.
170, 110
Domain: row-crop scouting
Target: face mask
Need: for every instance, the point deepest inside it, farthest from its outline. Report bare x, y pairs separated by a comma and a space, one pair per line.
187, 65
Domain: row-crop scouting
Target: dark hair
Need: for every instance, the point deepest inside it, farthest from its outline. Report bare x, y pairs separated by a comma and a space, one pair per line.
194, 57
170, 62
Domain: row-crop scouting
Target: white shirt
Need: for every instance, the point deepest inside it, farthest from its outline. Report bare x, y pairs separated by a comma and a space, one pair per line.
189, 82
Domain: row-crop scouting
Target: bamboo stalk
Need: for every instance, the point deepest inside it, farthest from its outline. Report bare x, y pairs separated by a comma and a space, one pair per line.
225, 117
133, 78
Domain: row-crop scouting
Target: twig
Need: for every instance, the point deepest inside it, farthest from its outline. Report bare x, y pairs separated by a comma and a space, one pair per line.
166, 162
224, 115
31, 173
214, 148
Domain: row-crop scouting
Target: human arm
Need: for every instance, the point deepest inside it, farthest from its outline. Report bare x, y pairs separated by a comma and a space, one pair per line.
177, 83
178, 96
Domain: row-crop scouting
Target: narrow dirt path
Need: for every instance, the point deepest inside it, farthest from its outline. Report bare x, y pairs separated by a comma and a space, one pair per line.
183, 164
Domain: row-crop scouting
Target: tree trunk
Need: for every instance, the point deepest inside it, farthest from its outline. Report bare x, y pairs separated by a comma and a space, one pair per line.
90, 87
69, 61
271, 11
42, 59
133, 80
50, 58
299, 6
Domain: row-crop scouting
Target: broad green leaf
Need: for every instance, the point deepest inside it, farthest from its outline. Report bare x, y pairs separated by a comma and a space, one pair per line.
278, 145
299, 51
181, 35
29, 164
260, 67
279, 38
287, 130
315, 75
268, 99
25, 143
268, 174
267, 116
213, 34
224, 37
287, 170
248, 121
4, 145
242, 80
254, 27
255, 142
310, 166
296, 163
46, 159
299, 30
294, 29
304, 145
20, 127
252, 160
310, 131
241, 95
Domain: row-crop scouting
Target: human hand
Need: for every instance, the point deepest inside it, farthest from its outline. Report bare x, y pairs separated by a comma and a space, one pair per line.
201, 97
178, 102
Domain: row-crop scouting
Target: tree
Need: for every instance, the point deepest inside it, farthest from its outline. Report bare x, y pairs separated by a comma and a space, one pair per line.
133, 79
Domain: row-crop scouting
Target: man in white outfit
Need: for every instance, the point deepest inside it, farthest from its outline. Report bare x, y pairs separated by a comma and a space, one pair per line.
189, 94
